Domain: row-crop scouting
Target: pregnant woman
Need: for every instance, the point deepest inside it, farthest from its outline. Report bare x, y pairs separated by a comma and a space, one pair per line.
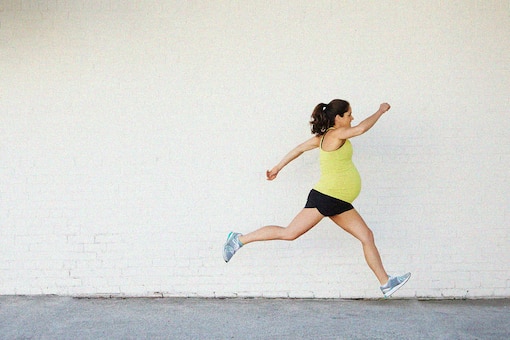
332, 196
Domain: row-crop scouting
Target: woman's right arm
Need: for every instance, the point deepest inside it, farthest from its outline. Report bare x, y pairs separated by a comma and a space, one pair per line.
310, 144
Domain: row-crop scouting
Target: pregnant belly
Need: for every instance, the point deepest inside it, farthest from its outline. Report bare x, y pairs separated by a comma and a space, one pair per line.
345, 186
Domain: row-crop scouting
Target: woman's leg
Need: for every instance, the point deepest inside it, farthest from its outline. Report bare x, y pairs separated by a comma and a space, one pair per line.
353, 223
303, 222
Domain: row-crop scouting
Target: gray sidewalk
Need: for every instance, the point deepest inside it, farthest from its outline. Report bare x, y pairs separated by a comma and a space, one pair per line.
49, 317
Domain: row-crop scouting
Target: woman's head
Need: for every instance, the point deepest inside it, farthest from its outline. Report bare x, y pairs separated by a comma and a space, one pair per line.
323, 116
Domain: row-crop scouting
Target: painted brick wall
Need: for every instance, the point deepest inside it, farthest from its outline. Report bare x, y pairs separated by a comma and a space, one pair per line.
136, 134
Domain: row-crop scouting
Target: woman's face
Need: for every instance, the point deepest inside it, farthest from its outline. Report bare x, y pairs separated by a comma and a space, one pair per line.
347, 118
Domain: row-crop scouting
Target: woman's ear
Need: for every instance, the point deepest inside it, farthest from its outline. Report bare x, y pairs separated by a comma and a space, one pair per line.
337, 119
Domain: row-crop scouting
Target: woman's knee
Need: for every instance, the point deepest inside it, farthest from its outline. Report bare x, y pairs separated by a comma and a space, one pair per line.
367, 237
289, 235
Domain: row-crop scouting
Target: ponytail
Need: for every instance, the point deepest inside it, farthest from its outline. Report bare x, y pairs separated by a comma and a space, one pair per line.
319, 120
323, 116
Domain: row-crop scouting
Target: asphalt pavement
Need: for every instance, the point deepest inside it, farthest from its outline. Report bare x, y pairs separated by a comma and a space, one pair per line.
52, 317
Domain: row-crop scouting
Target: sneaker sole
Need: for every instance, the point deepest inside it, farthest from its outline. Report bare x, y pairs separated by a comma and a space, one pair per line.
390, 293
228, 239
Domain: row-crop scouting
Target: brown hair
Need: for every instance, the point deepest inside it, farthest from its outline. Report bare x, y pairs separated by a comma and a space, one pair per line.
323, 116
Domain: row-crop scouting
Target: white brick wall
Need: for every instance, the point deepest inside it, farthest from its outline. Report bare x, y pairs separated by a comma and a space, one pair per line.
136, 134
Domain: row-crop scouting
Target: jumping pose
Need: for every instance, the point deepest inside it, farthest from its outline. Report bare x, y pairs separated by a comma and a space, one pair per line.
332, 196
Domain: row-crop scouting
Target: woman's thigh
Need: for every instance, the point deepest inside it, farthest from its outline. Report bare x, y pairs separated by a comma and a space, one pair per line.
352, 222
305, 220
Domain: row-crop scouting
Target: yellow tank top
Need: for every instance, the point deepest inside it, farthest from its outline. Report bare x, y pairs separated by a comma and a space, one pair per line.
339, 177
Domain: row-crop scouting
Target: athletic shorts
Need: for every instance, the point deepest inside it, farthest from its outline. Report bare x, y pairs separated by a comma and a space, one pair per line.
327, 205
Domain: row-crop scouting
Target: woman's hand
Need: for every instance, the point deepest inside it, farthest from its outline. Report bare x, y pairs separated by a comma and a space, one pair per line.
271, 174
384, 107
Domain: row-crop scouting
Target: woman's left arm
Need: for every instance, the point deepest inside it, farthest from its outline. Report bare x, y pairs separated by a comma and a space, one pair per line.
364, 126
308, 145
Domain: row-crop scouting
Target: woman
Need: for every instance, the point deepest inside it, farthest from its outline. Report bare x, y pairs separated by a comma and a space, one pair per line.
332, 196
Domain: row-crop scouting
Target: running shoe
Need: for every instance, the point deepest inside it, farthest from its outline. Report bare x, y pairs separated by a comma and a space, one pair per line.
231, 246
394, 283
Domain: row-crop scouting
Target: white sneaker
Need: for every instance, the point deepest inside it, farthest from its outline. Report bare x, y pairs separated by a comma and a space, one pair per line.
231, 246
394, 283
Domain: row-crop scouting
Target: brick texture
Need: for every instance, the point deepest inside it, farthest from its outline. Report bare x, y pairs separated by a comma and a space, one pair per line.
136, 134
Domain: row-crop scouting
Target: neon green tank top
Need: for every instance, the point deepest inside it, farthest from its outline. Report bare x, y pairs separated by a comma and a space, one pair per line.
339, 177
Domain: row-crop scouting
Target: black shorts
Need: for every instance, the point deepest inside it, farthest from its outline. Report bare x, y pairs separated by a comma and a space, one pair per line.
327, 205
